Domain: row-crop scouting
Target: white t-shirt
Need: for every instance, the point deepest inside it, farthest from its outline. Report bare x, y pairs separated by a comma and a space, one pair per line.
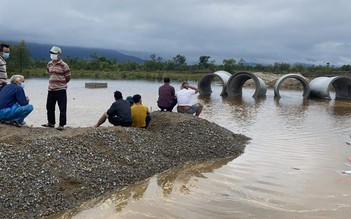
184, 96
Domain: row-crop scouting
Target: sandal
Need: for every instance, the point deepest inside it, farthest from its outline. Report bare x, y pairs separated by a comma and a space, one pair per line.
17, 124
48, 125
60, 128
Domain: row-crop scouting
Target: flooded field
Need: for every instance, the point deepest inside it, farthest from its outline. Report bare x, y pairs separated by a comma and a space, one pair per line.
292, 168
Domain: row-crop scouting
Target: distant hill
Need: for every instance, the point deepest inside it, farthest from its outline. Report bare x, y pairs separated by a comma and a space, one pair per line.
41, 51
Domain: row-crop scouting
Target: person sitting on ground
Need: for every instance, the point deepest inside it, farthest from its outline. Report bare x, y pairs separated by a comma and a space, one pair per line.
140, 113
166, 96
184, 96
119, 114
14, 105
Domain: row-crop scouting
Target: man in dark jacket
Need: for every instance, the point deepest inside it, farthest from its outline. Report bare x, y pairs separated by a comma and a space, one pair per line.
14, 105
118, 114
166, 96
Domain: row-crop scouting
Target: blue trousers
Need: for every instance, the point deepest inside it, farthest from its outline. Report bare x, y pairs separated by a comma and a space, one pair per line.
16, 112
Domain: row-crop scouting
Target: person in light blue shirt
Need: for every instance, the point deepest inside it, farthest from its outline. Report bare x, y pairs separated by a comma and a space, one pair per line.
14, 105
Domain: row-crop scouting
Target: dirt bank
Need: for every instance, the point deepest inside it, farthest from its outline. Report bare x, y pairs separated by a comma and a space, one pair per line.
270, 79
45, 171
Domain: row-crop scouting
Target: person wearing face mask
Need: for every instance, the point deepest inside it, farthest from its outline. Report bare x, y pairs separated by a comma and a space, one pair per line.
60, 75
4, 54
14, 105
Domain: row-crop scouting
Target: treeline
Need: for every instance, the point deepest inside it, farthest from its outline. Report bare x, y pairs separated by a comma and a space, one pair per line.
21, 60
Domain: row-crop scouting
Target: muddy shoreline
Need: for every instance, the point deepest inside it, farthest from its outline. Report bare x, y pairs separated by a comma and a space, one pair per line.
45, 171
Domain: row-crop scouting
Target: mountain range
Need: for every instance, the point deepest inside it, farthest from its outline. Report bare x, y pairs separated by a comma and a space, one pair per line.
41, 51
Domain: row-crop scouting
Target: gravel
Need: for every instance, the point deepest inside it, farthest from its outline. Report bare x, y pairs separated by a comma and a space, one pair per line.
45, 171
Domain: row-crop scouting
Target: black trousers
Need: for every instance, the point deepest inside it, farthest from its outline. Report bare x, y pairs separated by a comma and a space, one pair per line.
170, 108
60, 97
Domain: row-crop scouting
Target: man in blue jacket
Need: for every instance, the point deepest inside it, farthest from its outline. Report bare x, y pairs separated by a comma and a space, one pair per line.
14, 105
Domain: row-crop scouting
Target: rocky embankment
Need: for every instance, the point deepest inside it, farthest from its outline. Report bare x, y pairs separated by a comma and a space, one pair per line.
45, 171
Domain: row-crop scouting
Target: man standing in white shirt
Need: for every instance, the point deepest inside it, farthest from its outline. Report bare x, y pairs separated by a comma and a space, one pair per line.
184, 96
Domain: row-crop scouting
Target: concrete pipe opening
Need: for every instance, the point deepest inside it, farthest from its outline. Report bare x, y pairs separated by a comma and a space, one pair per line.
321, 87
204, 84
302, 80
237, 81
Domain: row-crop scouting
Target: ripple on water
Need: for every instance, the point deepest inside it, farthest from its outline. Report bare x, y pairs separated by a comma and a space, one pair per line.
291, 168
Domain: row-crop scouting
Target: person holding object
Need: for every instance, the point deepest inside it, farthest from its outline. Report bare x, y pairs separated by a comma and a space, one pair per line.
14, 105
4, 54
60, 75
166, 96
118, 114
184, 96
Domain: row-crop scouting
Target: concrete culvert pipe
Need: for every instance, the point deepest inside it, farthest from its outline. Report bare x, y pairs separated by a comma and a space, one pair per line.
320, 87
237, 81
302, 80
204, 84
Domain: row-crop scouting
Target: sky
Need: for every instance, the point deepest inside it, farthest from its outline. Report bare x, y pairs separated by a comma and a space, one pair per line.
259, 31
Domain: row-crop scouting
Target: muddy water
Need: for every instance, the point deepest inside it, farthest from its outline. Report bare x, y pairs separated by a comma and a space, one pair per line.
292, 168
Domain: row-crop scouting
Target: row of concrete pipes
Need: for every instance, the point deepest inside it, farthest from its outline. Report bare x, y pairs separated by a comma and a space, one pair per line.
319, 87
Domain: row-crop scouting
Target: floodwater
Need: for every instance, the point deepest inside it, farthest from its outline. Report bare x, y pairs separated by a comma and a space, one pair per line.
292, 168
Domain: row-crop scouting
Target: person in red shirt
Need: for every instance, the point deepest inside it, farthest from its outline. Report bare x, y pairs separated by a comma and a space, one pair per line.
59, 77
166, 96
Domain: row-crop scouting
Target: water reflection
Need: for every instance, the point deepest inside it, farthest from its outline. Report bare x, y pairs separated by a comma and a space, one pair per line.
105, 206
113, 204
339, 108
243, 108
168, 179
292, 113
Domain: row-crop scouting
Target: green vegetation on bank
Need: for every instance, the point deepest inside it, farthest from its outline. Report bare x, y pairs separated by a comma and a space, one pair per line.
114, 75
156, 68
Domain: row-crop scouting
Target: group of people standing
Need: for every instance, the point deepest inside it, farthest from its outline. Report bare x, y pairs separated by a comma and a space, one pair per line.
15, 107
14, 104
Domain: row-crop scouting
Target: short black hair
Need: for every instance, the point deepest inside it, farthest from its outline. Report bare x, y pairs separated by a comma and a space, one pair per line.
118, 95
136, 98
3, 45
184, 83
166, 80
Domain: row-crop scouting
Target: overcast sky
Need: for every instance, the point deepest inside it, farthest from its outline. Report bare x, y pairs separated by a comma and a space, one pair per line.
261, 31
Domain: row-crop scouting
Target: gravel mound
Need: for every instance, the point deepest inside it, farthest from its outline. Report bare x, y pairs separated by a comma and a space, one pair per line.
45, 171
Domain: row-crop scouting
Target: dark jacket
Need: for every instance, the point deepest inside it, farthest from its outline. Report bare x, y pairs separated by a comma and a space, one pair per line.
121, 110
166, 96
11, 94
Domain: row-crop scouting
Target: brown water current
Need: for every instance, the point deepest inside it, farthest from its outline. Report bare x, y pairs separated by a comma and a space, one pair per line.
292, 168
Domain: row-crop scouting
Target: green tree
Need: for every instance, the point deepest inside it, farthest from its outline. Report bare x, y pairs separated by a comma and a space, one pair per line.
298, 68
179, 63
204, 62
229, 65
345, 68
179, 60
242, 62
281, 67
259, 67
20, 56
154, 64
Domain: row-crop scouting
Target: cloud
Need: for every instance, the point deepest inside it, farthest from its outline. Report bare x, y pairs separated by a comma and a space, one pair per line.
260, 31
